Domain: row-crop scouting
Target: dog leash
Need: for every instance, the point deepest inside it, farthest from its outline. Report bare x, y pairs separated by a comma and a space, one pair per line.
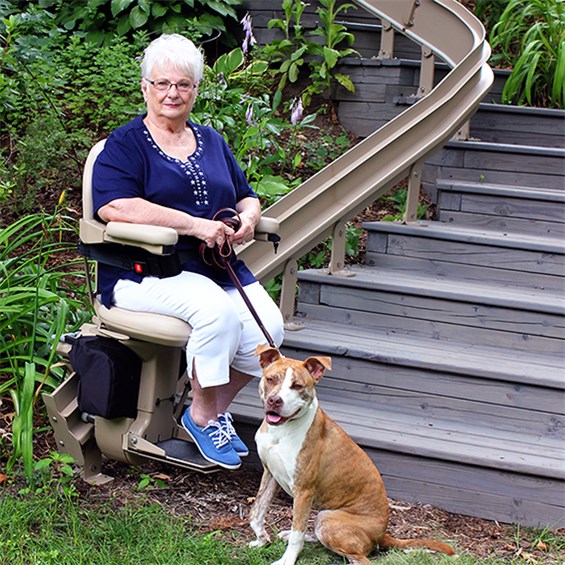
219, 257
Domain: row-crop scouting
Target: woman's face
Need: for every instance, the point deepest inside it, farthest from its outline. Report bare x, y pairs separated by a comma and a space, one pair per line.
169, 103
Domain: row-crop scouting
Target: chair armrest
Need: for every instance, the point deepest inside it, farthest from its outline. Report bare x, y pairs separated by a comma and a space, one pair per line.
122, 232
265, 227
155, 239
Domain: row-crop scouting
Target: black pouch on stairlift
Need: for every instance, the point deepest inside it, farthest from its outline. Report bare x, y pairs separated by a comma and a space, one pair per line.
109, 374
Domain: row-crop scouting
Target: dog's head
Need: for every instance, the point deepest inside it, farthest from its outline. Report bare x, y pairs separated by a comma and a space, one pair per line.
287, 385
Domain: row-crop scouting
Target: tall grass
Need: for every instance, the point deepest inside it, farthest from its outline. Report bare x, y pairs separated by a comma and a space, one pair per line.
41, 297
530, 37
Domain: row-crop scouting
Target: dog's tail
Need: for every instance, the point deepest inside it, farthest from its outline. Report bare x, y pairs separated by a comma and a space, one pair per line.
388, 542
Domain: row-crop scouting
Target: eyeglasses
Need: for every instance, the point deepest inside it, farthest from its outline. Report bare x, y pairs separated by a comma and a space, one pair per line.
166, 85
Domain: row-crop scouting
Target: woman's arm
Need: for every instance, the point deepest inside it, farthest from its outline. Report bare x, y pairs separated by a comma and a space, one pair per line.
140, 211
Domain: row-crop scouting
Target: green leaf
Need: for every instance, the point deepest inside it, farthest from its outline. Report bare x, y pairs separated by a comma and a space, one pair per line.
158, 10
222, 8
138, 18
118, 6
345, 81
293, 72
43, 463
331, 57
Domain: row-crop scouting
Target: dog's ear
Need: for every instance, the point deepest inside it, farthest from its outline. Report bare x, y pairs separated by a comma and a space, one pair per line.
316, 366
268, 355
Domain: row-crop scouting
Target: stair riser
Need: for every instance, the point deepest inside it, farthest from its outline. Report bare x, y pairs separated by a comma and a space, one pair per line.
434, 397
465, 253
493, 167
379, 323
524, 126
471, 273
472, 490
478, 207
433, 318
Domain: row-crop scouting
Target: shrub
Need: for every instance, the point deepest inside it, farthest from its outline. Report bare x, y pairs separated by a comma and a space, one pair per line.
100, 20
295, 55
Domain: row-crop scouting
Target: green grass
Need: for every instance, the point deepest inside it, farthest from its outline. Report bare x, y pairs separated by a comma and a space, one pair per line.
49, 527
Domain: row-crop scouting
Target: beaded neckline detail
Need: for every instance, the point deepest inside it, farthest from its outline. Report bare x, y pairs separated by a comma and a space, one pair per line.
191, 167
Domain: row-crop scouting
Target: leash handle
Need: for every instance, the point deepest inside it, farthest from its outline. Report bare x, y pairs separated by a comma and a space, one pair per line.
219, 256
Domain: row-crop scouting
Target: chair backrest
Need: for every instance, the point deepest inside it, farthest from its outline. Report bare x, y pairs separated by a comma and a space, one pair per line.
91, 231
87, 209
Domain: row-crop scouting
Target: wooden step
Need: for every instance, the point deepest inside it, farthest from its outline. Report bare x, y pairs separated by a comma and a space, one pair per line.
385, 300
482, 162
379, 428
502, 208
483, 470
437, 241
503, 123
453, 357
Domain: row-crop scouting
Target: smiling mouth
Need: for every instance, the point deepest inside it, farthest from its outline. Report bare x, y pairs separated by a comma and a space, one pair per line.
274, 419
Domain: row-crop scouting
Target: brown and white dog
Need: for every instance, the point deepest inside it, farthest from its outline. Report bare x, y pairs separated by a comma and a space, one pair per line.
307, 454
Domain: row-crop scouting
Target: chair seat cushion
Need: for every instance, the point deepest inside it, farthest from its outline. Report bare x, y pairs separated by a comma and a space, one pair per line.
145, 326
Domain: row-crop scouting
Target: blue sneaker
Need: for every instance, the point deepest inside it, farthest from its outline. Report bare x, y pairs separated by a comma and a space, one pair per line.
239, 447
212, 442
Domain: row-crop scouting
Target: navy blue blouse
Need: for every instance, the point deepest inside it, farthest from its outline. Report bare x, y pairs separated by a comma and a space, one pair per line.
132, 165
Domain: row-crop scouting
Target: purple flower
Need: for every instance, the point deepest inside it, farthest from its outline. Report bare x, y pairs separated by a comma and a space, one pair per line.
249, 39
249, 115
296, 111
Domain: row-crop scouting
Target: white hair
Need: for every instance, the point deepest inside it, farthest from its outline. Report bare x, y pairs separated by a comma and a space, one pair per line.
174, 50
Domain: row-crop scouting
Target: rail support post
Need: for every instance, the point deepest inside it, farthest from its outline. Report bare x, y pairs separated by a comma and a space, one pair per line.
387, 41
337, 261
414, 181
288, 295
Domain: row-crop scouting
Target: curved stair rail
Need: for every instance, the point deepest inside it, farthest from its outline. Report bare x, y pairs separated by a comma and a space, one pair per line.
321, 205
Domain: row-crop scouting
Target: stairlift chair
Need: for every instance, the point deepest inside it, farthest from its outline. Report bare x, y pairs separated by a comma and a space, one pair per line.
157, 339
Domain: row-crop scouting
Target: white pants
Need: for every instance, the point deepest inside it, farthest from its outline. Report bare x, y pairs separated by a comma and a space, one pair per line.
224, 333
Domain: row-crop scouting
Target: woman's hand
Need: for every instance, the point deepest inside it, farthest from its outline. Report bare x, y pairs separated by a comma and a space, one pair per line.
249, 211
212, 232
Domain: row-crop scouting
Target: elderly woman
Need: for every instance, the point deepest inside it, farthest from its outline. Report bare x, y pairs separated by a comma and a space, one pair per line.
164, 170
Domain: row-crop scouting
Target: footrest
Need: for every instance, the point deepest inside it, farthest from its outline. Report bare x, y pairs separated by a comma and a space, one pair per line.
185, 454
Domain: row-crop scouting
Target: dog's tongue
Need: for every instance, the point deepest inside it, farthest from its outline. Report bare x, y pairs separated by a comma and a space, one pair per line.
273, 418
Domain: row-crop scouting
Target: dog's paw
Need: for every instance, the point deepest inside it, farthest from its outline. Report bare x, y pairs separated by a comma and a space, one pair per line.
260, 541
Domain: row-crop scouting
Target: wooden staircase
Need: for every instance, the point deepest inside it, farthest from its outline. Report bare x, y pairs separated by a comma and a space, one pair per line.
448, 350
448, 343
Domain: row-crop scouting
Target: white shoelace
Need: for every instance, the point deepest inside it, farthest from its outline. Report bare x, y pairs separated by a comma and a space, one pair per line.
228, 426
219, 436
